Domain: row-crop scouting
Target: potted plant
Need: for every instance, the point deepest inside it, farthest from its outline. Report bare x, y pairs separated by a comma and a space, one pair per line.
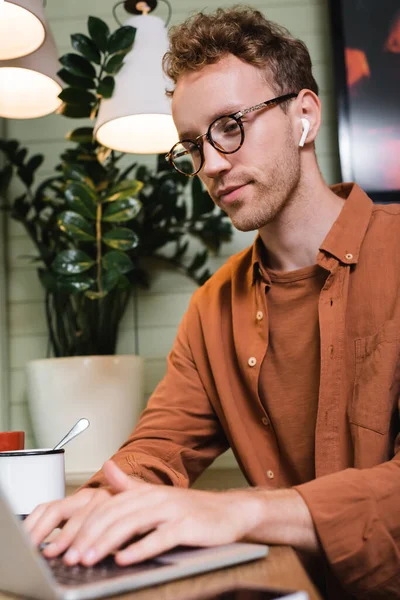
95, 225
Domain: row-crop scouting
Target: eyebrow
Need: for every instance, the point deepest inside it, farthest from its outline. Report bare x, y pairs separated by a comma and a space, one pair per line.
229, 109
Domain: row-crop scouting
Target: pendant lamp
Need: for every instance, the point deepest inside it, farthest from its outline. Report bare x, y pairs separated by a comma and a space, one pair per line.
29, 86
137, 118
22, 28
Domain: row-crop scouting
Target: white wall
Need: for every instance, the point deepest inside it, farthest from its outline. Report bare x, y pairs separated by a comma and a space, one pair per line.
161, 308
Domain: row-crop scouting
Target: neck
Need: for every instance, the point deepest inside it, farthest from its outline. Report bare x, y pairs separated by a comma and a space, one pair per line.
293, 238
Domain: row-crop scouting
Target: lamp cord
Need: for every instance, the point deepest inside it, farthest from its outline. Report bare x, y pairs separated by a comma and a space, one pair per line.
114, 10
169, 12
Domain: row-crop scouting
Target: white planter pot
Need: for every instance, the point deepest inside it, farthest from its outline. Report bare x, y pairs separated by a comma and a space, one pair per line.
107, 390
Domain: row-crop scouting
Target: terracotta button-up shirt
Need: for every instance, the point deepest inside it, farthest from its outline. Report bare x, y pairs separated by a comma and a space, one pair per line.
209, 399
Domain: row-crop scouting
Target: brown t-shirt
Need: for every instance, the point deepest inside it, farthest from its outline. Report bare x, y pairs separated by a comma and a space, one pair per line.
289, 377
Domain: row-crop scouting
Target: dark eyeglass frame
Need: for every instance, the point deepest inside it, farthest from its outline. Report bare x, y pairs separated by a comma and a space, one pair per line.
237, 116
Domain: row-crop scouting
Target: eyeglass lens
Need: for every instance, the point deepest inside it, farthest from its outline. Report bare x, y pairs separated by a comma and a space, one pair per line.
226, 136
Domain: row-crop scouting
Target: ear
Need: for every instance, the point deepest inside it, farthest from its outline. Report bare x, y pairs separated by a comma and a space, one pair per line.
307, 117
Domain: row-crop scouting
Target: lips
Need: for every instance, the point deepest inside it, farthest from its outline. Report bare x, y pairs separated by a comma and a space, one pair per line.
227, 190
229, 193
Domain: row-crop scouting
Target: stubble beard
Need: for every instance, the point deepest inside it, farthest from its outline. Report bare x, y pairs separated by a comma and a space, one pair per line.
267, 199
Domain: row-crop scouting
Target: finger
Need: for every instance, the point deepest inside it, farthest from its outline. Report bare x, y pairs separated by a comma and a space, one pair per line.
119, 480
165, 537
32, 519
121, 532
50, 516
139, 512
69, 532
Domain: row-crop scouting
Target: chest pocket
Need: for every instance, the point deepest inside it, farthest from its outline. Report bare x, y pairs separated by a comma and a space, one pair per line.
377, 379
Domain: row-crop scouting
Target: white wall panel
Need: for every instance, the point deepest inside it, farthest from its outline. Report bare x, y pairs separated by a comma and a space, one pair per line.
161, 308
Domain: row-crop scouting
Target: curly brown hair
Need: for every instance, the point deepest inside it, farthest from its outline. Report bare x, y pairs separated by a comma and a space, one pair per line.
203, 39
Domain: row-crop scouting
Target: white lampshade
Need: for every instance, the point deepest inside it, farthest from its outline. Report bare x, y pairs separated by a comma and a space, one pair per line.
138, 116
22, 29
29, 86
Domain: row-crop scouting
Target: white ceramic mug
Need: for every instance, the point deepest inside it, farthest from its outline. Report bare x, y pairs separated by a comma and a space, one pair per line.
31, 477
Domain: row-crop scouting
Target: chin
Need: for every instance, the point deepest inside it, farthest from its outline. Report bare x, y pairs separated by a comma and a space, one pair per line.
250, 222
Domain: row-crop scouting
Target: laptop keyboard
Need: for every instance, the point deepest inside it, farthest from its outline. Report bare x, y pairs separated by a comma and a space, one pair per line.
105, 569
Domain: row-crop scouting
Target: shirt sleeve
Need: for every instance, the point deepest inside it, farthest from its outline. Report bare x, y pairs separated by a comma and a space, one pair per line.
356, 514
178, 435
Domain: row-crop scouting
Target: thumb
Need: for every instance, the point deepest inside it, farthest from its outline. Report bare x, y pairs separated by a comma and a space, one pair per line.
119, 481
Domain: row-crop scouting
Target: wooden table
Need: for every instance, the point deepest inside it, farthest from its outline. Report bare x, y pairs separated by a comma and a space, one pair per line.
281, 569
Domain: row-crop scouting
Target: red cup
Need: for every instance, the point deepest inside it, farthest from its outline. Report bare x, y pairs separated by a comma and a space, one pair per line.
12, 440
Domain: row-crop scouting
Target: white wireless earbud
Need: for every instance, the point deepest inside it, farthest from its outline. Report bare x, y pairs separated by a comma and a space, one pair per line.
306, 129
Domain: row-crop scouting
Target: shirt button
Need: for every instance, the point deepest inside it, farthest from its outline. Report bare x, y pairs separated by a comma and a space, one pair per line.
265, 421
259, 315
348, 256
252, 361
270, 474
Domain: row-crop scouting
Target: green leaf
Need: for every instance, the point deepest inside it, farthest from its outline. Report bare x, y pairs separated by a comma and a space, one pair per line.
202, 203
109, 280
34, 162
179, 212
124, 174
127, 189
72, 262
124, 283
11, 146
99, 32
74, 111
76, 226
118, 261
84, 83
203, 277
121, 238
81, 199
81, 43
78, 65
198, 261
121, 40
75, 283
181, 249
106, 87
20, 156
5, 178
48, 280
81, 135
26, 175
77, 96
78, 173
114, 64
143, 174
122, 210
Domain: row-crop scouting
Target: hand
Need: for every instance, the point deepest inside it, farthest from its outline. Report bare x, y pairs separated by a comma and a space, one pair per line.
74, 510
169, 516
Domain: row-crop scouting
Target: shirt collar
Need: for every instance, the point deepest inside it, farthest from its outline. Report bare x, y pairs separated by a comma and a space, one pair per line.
344, 238
258, 261
346, 235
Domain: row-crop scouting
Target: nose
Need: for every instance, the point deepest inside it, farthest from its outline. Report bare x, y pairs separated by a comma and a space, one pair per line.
215, 162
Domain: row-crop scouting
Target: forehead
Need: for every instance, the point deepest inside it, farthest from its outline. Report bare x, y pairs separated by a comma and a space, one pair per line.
217, 89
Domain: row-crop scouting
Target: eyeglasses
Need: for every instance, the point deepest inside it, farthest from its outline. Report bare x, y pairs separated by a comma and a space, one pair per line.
225, 134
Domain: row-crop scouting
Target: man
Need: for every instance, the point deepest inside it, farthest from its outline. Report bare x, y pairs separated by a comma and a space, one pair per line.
289, 354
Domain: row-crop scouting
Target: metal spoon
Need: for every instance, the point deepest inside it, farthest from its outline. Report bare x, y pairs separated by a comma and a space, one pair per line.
79, 426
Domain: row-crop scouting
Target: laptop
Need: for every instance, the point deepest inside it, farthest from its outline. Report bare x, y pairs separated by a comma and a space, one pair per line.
25, 572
